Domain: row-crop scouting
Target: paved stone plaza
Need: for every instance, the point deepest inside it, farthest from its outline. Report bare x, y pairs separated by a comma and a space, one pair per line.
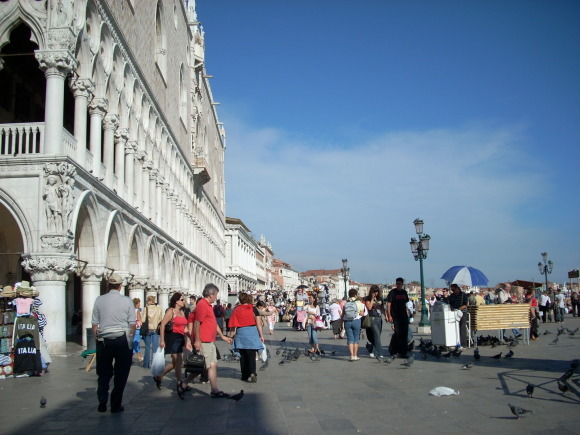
330, 396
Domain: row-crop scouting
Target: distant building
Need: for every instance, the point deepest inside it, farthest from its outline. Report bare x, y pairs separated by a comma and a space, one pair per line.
244, 257
286, 278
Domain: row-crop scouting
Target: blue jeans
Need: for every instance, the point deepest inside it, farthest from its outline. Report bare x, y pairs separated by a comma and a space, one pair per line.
312, 335
352, 329
374, 335
151, 345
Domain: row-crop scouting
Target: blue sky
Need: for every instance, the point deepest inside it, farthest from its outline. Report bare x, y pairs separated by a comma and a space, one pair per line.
346, 120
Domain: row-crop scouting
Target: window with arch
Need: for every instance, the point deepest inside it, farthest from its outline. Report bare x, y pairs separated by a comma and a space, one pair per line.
160, 41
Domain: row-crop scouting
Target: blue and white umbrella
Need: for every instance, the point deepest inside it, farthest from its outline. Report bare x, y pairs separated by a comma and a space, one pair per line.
465, 275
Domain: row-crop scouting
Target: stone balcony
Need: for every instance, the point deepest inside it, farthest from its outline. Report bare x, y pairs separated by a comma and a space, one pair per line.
201, 169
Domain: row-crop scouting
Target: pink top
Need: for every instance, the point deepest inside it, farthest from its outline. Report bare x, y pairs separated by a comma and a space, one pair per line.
23, 305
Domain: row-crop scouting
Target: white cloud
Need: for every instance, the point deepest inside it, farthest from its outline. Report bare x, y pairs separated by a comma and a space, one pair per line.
319, 203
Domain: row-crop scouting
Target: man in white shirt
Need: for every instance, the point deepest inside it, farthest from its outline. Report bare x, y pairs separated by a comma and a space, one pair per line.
560, 305
544, 305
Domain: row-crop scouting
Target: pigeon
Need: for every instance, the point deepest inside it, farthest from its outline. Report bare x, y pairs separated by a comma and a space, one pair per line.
283, 340
423, 356
562, 387
237, 397
263, 366
278, 351
509, 354
314, 357
560, 332
467, 366
555, 340
333, 352
517, 411
389, 359
530, 389
574, 364
408, 363
43, 402
546, 332
572, 333
567, 375
476, 354
282, 362
322, 352
498, 356
447, 355
513, 343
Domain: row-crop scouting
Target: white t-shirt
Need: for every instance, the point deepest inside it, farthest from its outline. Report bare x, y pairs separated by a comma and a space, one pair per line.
335, 312
559, 299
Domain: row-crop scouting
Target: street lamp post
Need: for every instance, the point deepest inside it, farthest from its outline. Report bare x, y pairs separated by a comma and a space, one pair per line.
419, 249
546, 269
345, 269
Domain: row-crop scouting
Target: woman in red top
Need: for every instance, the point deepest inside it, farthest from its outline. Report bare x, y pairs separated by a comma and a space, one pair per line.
247, 334
173, 342
534, 310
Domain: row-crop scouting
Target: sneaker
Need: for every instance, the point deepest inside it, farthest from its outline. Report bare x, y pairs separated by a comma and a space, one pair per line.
253, 378
372, 355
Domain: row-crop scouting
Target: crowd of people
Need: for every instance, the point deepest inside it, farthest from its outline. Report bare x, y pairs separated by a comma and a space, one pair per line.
120, 323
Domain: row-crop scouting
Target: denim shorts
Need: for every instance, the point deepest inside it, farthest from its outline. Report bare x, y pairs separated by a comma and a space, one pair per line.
352, 329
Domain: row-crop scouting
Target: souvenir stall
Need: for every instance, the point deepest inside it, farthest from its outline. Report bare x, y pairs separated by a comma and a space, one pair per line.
23, 350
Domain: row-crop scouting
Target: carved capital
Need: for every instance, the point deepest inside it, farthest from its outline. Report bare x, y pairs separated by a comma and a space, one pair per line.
140, 156
98, 106
110, 122
92, 272
147, 165
49, 267
131, 147
82, 87
57, 242
153, 174
55, 62
121, 135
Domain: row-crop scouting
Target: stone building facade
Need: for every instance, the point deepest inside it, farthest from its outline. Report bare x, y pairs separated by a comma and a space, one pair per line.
111, 153
242, 253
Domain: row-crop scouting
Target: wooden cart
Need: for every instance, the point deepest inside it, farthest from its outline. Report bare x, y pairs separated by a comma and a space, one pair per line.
500, 317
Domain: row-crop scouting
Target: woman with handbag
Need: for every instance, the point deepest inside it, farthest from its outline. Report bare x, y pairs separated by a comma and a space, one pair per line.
312, 313
151, 320
138, 324
172, 338
247, 334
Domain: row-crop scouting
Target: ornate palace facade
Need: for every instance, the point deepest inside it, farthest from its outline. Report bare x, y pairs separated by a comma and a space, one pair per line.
111, 153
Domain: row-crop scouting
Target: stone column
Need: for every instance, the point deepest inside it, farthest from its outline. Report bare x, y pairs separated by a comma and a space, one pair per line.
97, 110
82, 90
91, 279
130, 149
110, 124
163, 298
147, 167
153, 206
49, 274
139, 170
56, 64
121, 136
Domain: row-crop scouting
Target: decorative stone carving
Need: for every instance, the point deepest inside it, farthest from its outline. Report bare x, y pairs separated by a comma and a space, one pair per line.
58, 197
82, 87
131, 148
55, 62
61, 13
110, 122
121, 135
61, 39
50, 267
92, 273
57, 242
98, 106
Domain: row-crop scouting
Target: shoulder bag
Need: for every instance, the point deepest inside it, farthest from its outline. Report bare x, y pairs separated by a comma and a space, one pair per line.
168, 326
195, 363
144, 330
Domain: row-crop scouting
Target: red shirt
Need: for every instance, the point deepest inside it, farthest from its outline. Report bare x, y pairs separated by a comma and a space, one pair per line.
243, 315
208, 324
191, 319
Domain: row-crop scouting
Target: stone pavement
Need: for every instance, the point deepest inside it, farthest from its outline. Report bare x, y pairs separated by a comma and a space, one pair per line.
330, 396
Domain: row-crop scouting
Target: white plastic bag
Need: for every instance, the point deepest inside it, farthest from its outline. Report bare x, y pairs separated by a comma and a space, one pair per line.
443, 391
263, 353
158, 363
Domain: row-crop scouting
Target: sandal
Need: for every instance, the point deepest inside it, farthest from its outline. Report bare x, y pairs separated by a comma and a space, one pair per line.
157, 382
219, 395
187, 388
180, 390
